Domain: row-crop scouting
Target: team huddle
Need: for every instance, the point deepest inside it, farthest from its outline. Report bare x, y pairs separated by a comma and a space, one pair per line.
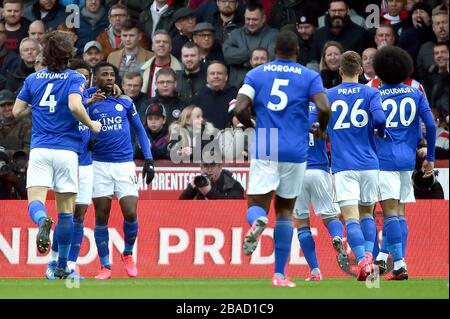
81, 135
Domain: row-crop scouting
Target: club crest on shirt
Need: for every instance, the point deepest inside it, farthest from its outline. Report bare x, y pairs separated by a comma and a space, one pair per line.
119, 107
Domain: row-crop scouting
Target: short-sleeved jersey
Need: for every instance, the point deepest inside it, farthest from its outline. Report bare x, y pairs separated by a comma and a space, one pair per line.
317, 152
114, 140
403, 106
351, 129
280, 91
47, 92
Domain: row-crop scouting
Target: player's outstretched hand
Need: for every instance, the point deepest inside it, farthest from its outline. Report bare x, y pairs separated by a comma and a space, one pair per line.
148, 171
98, 96
427, 168
116, 91
95, 127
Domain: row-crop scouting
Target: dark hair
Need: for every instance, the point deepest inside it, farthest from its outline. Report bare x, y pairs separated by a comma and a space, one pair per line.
440, 44
345, 1
161, 31
79, 64
259, 49
57, 51
286, 43
252, 6
103, 64
166, 71
393, 65
64, 28
13, 1
218, 62
118, 6
130, 24
351, 63
131, 75
190, 45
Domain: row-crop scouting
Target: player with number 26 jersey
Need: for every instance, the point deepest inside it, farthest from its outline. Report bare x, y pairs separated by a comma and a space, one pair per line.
54, 126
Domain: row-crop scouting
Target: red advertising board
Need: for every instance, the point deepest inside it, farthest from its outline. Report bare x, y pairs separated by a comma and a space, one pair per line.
201, 239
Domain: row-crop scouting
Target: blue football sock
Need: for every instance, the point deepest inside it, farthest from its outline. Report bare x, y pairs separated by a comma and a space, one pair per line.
101, 235
55, 240
130, 230
77, 239
384, 243
37, 212
394, 237
404, 228
376, 247
369, 230
308, 246
64, 231
335, 228
355, 238
254, 212
282, 236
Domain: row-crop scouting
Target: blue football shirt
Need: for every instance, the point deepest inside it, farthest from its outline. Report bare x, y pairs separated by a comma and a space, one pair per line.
351, 127
317, 152
280, 91
404, 106
54, 126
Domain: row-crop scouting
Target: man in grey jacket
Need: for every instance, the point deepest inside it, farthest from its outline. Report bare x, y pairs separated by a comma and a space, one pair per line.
241, 42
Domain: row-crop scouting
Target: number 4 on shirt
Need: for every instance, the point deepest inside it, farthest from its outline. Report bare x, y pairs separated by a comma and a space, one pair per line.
48, 99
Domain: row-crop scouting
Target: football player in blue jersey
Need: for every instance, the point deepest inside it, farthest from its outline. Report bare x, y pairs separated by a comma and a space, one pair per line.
114, 169
279, 93
317, 189
55, 95
356, 114
404, 107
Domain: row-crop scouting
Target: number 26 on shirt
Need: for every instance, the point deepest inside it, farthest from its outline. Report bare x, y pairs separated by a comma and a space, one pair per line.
358, 117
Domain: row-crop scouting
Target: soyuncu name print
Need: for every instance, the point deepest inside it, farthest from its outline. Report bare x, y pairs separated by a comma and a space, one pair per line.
57, 76
111, 123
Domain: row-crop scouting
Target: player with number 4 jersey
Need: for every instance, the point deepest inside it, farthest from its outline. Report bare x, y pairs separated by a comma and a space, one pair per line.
404, 107
55, 95
356, 114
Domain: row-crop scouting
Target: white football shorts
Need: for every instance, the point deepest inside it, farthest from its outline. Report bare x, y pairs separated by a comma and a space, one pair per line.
85, 184
57, 169
285, 179
318, 189
356, 187
397, 185
118, 179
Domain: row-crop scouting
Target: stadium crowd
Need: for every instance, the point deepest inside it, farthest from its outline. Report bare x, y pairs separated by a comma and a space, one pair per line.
184, 61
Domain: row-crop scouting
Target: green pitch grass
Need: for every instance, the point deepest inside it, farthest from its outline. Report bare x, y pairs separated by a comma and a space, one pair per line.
221, 289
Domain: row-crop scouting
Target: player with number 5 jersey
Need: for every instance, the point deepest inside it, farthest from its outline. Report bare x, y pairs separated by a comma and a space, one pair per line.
55, 95
356, 114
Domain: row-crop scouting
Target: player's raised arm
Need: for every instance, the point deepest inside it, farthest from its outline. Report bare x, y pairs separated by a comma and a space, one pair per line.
78, 110
323, 109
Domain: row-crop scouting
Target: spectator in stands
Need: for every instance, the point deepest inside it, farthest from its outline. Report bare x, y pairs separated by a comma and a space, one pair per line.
425, 57
166, 94
13, 175
192, 78
50, 12
156, 16
214, 182
189, 135
29, 49
8, 59
132, 56
110, 38
16, 26
255, 33
330, 63
338, 27
225, 19
305, 27
131, 85
15, 134
367, 64
81, 67
135, 7
209, 49
92, 54
36, 30
286, 12
184, 20
418, 31
157, 132
93, 20
258, 56
395, 15
215, 96
161, 46
384, 35
437, 81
